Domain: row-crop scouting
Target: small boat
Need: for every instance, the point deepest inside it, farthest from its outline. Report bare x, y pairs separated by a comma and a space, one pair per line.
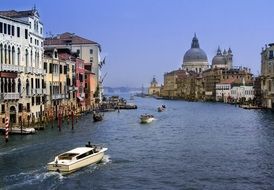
77, 158
161, 108
17, 130
97, 116
146, 118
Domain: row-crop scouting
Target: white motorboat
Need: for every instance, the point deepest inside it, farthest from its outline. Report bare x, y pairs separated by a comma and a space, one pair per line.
17, 130
146, 118
77, 158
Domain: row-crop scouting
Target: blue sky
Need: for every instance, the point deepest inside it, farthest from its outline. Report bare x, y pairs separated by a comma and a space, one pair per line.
143, 38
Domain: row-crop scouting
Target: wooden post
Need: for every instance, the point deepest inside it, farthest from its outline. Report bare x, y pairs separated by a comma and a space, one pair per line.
72, 120
7, 129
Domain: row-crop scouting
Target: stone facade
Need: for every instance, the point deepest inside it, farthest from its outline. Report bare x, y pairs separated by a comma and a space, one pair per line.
21, 73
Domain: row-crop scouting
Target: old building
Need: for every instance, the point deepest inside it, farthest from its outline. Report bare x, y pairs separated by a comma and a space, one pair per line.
169, 89
21, 53
87, 50
154, 88
267, 74
56, 82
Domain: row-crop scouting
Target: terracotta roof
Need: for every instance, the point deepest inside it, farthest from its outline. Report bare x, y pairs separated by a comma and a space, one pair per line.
67, 39
18, 14
227, 81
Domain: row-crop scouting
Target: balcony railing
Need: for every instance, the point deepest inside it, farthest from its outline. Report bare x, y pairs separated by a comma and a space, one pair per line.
39, 91
14, 68
45, 91
57, 96
28, 69
10, 96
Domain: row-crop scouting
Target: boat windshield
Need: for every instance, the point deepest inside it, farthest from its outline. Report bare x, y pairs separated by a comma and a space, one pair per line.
85, 154
67, 156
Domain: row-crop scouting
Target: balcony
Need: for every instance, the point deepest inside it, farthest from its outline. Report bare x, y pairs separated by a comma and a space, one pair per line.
10, 96
28, 69
57, 96
45, 91
13, 68
39, 91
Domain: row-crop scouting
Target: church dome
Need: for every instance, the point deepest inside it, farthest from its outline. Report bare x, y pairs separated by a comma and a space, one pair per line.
195, 53
219, 59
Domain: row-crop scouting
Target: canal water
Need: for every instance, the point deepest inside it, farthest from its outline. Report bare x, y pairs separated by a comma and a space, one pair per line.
192, 145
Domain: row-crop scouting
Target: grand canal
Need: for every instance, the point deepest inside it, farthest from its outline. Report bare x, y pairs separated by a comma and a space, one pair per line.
192, 145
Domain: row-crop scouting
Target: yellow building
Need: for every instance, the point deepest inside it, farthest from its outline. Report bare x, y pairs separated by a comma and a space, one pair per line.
56, 75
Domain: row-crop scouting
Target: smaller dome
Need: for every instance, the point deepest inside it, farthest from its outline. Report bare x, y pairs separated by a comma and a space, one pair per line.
218, 60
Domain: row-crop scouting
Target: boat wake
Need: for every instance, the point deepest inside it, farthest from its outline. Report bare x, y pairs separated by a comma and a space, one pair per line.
106, 159
34, 177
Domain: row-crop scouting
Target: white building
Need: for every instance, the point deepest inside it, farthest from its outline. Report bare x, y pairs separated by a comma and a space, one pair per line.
21, 53
245, 93
223, 92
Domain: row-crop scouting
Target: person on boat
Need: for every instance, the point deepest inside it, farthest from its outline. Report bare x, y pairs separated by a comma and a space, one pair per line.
88, 145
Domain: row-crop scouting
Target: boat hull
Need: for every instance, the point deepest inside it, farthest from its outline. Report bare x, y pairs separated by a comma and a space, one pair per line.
146, 120
71, 167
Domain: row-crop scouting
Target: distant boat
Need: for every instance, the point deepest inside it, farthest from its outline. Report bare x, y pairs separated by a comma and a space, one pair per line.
161, 108
146, 118
77, 158
97, 116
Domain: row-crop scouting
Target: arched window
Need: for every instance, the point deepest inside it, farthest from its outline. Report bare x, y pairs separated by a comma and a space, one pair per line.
9, 85
31, 58
27, 87
13, 55
19, 86
13, 85
37, 64
9, 55
5, 54
27, 57
18, 56
5, 85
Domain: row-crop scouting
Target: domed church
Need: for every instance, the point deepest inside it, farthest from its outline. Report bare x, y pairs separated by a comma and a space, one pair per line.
222, 60
195, 59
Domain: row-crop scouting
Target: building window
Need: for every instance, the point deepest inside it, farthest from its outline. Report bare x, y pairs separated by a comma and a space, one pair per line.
271, 54
20, 107
46, 67
28, 107
31, 40
78, 52
12, 30
18, 32
5, 28
1, 27
61, 69
50, 68
91, 51
8, 29
41, 30
3, 108
26, 33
